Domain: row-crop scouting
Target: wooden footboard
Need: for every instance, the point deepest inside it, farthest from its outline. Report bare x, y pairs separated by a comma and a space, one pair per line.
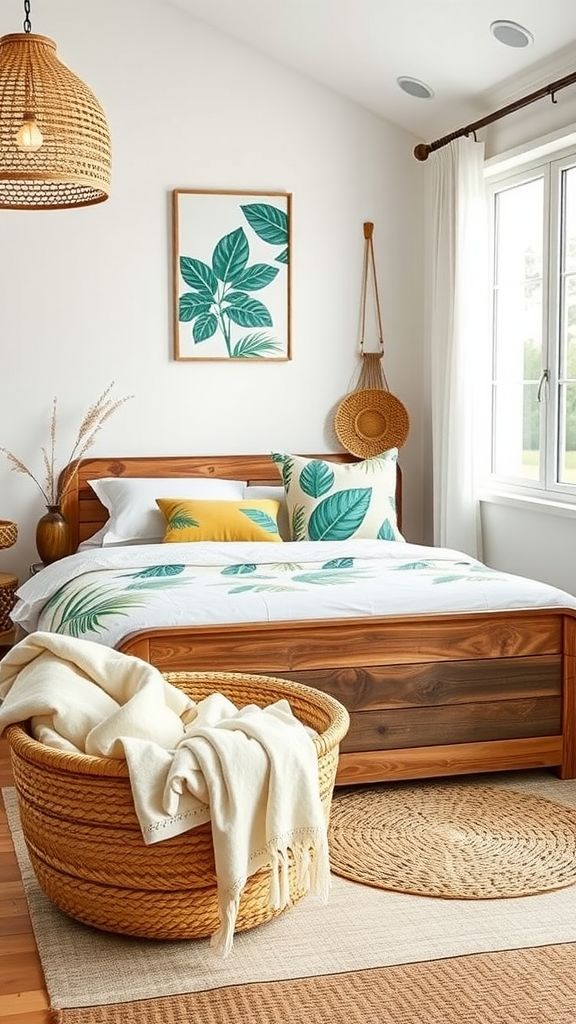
445, 695
428, 696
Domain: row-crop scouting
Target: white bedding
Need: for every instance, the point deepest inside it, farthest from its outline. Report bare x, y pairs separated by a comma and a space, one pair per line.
104, 594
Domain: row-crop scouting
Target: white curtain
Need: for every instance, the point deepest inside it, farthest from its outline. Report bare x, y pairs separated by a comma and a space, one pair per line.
459, 340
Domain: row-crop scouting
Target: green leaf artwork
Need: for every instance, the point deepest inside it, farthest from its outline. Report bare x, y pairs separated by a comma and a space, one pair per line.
216, 299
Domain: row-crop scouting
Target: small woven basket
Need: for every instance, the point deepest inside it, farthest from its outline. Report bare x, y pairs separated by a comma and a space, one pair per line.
8, 533
85, 842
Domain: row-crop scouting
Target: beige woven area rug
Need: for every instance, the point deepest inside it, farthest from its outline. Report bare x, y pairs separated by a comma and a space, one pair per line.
453, 840
368, 955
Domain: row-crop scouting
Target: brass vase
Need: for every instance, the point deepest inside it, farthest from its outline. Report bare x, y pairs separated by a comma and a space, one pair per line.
52, 535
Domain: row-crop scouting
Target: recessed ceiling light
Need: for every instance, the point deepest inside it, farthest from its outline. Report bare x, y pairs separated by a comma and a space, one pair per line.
511, 34
414, 87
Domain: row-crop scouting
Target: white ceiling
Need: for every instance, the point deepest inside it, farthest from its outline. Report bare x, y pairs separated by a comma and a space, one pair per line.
359, 48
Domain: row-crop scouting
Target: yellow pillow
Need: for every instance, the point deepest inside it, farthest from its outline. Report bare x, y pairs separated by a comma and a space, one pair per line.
193, 519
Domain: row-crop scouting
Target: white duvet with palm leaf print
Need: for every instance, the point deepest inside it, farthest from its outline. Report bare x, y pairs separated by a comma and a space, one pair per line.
106, 593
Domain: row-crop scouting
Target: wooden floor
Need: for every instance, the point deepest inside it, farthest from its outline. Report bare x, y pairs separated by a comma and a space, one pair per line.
23, 996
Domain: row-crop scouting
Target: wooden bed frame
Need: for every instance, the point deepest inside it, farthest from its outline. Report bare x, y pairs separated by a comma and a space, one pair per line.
428, 696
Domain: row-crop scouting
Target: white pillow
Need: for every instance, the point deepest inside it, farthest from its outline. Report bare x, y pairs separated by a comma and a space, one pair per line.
275, 493
95, 541
134, 517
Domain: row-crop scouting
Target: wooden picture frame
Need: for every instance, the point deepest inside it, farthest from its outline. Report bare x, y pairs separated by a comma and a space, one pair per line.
231, 275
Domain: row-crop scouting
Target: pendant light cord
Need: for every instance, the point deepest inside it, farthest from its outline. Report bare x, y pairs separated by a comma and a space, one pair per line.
27, 22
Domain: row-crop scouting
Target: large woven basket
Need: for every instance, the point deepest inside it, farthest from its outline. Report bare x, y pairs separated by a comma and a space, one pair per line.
85, 842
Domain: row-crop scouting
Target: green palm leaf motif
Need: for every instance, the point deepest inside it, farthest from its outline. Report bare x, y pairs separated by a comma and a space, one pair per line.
316, 478
246, 311
230, 256
339, 563
254, 345
262, 519
476, 574
298, 528
199, 275
258, 588
386, 531
376, 463
155, 570
413, 565
282, 257
332, 576
269, 223
84, 613
339, 515
239, 570
259, 275
286, 464
53, 601
159, 583
452, 578
181, 519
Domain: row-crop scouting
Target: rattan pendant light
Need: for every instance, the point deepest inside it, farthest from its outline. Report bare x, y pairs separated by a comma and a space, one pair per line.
54, 136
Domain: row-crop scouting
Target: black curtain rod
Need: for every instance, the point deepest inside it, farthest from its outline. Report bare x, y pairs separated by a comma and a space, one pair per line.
423, 150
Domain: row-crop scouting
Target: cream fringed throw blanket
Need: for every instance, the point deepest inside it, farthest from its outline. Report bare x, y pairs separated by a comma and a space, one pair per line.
253, 772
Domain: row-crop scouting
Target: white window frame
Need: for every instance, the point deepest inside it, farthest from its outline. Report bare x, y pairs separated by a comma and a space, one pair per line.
549, 167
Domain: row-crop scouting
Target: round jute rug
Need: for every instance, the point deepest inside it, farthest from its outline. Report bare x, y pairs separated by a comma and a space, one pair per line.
452, 840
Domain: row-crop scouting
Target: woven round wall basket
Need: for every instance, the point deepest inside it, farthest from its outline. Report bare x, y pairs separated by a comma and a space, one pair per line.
85, 843
371, 420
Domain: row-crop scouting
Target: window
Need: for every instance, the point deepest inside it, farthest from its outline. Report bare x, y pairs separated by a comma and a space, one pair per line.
533, 432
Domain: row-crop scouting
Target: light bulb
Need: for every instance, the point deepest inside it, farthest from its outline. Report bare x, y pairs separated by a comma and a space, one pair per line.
29, 138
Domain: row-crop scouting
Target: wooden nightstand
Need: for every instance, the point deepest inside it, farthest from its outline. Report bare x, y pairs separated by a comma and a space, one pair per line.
8, 587
7, 641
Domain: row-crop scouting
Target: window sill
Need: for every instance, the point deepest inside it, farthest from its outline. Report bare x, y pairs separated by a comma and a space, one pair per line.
529, 504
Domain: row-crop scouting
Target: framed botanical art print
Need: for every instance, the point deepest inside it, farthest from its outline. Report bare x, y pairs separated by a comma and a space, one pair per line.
231, 275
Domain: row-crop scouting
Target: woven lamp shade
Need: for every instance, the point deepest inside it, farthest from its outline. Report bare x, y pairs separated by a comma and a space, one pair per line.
72, 167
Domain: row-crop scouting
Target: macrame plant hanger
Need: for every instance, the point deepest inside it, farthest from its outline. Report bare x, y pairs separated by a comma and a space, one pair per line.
370, 419
372, 363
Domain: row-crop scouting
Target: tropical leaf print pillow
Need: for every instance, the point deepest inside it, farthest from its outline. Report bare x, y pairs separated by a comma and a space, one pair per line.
195, 520
334, 501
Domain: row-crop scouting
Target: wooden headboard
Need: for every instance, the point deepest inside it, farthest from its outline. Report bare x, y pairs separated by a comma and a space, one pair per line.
86, 514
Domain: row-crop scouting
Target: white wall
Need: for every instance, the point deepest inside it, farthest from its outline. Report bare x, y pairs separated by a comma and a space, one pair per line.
528, 542
85, 295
